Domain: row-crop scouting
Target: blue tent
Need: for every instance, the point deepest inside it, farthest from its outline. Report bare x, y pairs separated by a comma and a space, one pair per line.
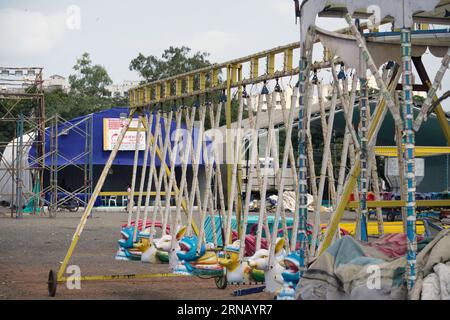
72, 144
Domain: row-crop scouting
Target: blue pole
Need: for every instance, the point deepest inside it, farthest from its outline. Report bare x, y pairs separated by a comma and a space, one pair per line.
409, 157
364, 169
303, 210
20, 169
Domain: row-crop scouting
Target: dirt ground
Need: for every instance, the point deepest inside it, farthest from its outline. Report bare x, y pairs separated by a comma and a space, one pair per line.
30, 247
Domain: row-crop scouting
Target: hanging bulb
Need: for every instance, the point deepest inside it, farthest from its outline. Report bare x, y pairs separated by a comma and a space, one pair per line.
315, 79
390, 65
223, 97
244, 93
277, 87
341, 74
265, 91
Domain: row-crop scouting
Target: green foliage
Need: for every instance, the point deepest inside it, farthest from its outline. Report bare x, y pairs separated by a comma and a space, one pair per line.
88, 84
89, 80
74, 105
88, 94
418, 100
173, 61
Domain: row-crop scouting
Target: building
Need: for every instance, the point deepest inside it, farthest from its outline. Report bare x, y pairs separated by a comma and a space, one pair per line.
18, 80
56, 82
121, 90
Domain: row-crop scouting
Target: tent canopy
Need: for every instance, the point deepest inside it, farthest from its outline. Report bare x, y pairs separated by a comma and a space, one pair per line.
72, 144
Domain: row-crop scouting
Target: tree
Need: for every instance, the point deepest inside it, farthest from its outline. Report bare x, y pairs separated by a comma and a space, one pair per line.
90, 80
173, 61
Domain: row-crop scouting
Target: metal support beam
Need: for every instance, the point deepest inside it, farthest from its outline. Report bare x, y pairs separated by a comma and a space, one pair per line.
409, 156
95, 194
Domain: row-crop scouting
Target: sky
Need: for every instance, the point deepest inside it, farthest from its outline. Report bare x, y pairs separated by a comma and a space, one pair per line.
53, 34
44, 33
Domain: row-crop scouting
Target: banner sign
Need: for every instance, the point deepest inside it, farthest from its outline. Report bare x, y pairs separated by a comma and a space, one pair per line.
111, 132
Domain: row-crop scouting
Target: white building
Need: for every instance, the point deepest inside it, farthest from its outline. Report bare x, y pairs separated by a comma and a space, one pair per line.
287, 92
17, 80
121, 90
56, 82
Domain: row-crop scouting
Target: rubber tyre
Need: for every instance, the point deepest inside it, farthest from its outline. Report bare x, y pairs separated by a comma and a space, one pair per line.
221, 282
391, 216
73, 206
52, 283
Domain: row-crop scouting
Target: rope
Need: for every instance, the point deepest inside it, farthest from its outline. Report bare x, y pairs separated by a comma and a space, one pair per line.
171, 182
310, 153
249, 186
256, 125
331, 181
133, 180
207, 198
222, 212
294, 102
281, 190
163, 173
149, 124
184, 158
214, 161
323, 171
195, 167
262, 207
150, 175
236, 160
347, 140
291, 158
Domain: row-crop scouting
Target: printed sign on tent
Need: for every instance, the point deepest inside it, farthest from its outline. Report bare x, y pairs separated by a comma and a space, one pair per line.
111, 131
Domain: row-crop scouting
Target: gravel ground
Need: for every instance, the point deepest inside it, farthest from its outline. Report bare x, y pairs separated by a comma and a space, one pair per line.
30, 247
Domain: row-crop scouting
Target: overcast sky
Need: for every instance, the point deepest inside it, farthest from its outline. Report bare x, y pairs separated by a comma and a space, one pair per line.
114, 32
47, 33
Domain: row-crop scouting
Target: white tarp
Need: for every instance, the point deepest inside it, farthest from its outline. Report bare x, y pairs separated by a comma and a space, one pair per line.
7, 158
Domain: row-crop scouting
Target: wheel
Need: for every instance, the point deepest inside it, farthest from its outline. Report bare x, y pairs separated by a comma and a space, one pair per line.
52, 283
221, 282
391, 216
52, 212
73, 206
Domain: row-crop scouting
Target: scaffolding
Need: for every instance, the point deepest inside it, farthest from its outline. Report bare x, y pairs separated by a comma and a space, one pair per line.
57, 194
22, 119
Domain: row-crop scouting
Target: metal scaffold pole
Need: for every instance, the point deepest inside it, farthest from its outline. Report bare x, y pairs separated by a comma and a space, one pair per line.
302, 158
95, 194
409, 155
22, 119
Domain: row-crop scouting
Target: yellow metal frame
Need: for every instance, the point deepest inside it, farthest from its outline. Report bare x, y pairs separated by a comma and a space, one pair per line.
419, 151
213, 72
390, 227
400, 204
122, 277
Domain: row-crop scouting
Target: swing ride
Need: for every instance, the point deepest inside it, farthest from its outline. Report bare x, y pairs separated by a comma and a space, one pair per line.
214, 231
